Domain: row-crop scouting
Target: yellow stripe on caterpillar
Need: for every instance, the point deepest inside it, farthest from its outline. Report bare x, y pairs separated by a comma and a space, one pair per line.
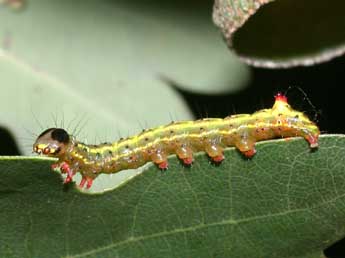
211, 135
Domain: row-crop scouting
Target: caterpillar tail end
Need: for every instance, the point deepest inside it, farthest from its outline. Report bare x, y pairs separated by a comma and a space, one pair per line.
313, 141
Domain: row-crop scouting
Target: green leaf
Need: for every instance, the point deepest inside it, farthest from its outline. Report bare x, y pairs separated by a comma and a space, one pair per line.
104, 68
108, 61
80, 60
288, 201
282, 33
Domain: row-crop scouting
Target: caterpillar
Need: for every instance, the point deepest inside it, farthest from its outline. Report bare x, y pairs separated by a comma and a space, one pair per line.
211, 135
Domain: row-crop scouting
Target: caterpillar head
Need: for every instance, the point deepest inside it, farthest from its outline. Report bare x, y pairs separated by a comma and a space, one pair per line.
52, 142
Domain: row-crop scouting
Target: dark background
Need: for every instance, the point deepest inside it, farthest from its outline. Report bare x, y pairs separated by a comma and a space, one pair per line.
321, 83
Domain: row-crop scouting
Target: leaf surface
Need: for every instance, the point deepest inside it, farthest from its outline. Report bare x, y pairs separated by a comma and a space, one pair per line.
287, 201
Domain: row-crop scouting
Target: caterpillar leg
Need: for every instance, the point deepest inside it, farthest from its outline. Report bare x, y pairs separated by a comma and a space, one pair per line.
219, 158
185, 154
164, 165
187, 161
87, 180
160, 159
246, 148
215, 153
65, 169
249, 153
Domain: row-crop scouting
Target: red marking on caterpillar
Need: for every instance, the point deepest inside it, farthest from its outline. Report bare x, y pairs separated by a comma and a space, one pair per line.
211, 135
280, 97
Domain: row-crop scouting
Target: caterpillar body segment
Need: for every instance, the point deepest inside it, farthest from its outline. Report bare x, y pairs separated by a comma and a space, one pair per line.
211, 135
